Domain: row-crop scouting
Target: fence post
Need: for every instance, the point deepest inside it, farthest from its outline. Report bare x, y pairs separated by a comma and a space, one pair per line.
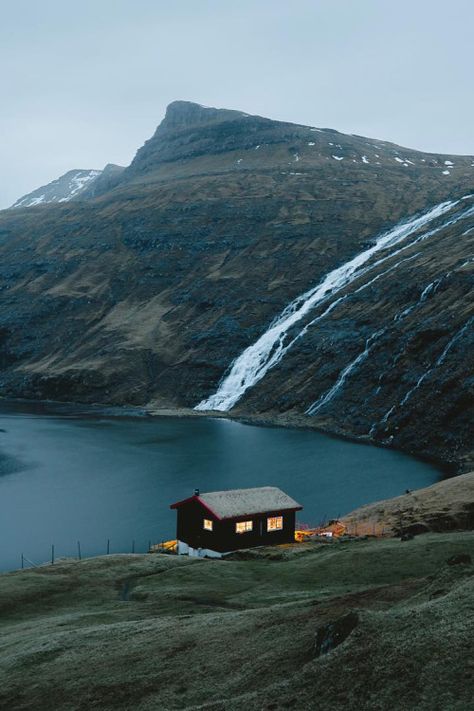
79, 550
52, 554
22, 562
108, 546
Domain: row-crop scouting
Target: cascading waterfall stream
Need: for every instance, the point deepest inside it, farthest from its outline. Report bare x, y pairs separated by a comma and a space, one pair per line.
255, 361
431, 288
421, 238
457, 336
371, 342
428, 291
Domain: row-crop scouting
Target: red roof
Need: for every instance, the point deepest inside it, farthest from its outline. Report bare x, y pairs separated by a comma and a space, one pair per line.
194, 498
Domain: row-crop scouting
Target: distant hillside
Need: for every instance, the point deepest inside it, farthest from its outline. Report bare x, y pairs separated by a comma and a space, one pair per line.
445, 506
259, 268
72, 185
63, 189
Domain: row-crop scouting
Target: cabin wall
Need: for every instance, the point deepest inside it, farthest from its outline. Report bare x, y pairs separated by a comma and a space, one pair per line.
223, 536
259, 536
190, 526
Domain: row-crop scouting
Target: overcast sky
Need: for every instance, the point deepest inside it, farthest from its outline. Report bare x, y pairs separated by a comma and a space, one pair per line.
86, 83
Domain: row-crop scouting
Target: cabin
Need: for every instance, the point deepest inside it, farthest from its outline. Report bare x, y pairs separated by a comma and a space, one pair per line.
219, 522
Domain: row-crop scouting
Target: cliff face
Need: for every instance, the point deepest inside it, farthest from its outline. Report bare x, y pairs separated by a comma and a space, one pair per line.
148, 288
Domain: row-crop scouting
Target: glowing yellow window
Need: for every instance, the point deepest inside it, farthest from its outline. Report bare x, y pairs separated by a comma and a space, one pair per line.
207, 524
243, 526
274, 523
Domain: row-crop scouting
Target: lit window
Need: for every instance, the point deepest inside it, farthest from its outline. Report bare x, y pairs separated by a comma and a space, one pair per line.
243, 526
274, 523
207, 524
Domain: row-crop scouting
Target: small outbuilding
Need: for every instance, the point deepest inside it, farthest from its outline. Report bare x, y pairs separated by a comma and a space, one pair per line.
219, 522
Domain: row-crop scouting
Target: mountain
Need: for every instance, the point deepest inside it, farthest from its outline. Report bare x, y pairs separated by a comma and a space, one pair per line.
105, 181
72, 185
271, 270
63, 189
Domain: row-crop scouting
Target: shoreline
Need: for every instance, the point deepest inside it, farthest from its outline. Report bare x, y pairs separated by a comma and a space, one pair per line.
301, 422
276, 420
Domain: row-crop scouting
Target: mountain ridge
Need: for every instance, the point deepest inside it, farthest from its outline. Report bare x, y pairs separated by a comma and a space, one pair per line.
184, 118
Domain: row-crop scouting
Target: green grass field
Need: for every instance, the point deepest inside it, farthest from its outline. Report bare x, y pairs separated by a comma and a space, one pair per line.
162, 632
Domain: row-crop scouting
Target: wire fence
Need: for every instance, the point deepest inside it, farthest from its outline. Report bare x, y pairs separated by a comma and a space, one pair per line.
369, 527
338, 526
26, 562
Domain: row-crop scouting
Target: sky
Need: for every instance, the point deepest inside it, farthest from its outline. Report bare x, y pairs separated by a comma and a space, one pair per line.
86, 83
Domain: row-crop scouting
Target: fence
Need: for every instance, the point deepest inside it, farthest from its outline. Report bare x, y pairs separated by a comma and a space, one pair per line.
370, 527
53, 558
338, 527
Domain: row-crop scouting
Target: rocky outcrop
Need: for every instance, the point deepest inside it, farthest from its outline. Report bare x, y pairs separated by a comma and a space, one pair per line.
149, 286
108, 178
332, 634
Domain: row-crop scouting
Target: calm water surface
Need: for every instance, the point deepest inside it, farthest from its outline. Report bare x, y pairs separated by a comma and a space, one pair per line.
67, 475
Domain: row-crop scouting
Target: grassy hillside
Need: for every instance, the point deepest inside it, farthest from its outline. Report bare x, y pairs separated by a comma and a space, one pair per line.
158, 632
445, 506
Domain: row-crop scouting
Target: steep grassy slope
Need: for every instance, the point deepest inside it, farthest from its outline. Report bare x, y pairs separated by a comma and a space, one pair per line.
148, 291
445, 506
150, 632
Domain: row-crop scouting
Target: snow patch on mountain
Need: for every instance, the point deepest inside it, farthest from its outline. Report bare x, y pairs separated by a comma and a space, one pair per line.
63, 189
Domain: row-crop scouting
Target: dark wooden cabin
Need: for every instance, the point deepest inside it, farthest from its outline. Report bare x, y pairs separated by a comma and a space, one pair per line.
222, 521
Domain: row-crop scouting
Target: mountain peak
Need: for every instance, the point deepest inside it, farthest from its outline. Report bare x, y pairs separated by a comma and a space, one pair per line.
184, 114
189, 130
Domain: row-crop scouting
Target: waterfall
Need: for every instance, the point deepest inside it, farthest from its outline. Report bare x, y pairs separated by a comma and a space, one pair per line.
431, 288
255, 361
457, 336
370, 342
423, 377
428, 290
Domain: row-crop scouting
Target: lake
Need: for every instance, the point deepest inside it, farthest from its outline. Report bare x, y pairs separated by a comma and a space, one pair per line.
69, 474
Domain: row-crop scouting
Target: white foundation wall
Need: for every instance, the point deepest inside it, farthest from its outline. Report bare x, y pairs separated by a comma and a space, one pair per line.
184, 549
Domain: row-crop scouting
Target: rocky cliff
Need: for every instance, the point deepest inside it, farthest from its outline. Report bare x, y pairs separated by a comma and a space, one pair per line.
226, 226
